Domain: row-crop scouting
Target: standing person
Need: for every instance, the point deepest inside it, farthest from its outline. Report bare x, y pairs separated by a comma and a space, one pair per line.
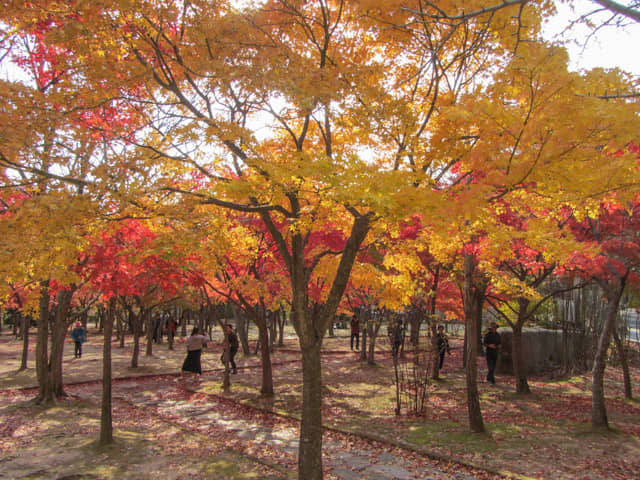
195, 343
443, 345
232, 344
355, 331
397, 337
79, 336
492, 342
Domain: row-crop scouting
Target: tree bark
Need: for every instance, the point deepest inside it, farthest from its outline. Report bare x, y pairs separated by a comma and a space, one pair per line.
59, 332
373, 328
136, 325
598, 407
624, 362
106, 421
25, 341
243, 330
148, 320
310, 447
45, 391
517, 358
471, 316
265, 352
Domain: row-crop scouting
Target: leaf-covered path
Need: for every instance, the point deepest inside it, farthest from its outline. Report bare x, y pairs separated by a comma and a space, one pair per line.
167, 430
171, 417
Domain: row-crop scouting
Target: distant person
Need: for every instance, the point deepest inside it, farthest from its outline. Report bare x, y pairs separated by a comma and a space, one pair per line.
231, 342
492, 343
195, 343
79, 336
355, 332
443, 345
397, 337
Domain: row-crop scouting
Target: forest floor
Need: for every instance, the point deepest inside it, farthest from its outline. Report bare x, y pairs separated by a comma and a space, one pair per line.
167, 427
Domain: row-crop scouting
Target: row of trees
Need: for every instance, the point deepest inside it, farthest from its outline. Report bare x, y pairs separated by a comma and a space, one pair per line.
312, 155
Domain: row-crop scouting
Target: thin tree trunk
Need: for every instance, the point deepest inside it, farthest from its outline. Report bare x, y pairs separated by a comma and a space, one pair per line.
310, 447
242, 329
136, 325
373, 328
106, 421
25, 342
598, 407
282, 319
150, 326
364, 321
45, 391
435, 352
517, 358
471, 316
59, 332
265, 358
624, 362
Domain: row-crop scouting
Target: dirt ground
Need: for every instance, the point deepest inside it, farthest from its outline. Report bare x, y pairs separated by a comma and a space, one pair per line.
169, 428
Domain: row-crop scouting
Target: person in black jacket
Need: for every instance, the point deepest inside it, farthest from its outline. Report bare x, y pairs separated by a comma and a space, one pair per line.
491, 343
232, 343
443, 345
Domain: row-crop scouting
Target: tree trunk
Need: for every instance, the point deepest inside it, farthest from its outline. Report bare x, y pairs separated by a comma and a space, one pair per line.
59, 332
148, 320
242, 329
435, 351
598, 407
517, 358
373, 328
415, 322
106, 422
265, 357
282, 319
310, 447
364, 321
136, 324
471, 316
25, 342
624, 362
45, 391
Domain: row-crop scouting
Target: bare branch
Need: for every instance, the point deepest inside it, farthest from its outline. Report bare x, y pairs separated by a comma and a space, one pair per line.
632, 12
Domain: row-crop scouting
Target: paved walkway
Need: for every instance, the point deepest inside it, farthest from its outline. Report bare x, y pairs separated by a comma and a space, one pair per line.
274, 438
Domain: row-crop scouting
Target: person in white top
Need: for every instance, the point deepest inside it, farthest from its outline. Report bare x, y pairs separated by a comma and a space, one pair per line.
195, 343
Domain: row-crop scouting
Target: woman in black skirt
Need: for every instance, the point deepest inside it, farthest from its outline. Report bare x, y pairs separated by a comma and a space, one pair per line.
195, 343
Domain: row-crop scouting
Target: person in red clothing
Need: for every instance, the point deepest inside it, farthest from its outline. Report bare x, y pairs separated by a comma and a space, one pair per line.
355, 331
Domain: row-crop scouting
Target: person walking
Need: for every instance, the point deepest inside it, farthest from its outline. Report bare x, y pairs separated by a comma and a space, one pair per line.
79, 336
195, 343
231, 345
443, 345
491, 342
355, 331
397, 338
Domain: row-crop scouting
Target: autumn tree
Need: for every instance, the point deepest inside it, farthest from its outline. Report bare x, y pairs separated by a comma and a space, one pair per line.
613, 228
307, 114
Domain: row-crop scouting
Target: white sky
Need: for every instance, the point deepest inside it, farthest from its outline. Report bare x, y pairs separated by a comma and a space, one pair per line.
610, 47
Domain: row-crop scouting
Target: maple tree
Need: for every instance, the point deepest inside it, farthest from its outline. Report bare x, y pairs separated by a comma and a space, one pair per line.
308, 114
613, 228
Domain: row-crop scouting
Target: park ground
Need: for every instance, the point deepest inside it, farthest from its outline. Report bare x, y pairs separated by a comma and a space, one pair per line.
166, 427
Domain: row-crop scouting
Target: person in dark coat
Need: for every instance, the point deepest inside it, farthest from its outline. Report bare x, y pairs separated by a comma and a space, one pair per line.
397, 338
491, 343
355, 331
231, 342
195, 343
443, 345
79, 336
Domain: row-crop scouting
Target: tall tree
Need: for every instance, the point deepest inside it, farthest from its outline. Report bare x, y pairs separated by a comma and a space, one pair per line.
613, 228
